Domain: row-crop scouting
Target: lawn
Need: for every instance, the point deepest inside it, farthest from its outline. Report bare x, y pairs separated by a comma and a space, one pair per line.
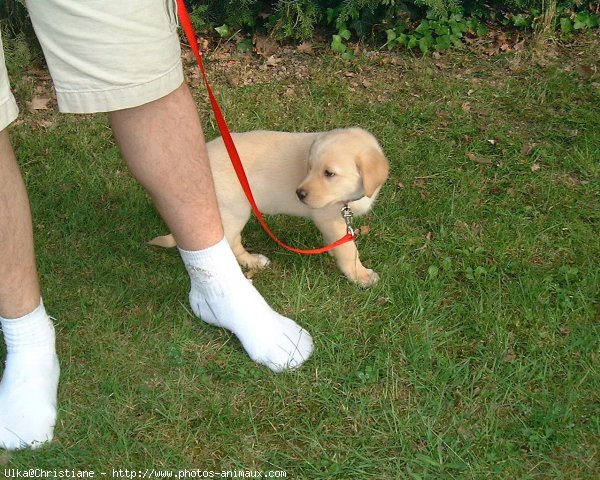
477, 354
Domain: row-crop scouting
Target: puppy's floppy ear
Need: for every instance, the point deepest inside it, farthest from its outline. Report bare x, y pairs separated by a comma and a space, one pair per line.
374, 169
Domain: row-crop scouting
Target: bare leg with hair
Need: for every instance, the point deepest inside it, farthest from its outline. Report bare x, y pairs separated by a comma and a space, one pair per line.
19, 289
163, 144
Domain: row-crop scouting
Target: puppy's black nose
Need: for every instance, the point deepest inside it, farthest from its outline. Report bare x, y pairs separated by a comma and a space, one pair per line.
302, 194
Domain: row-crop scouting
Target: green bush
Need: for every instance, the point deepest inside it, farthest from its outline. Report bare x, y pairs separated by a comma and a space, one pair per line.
426, 24
422, 24
434, 33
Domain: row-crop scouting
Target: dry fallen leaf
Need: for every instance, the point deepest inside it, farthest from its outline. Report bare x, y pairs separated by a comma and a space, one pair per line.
273, 61
585, 71
419, 183
39, 103
478, 159
165, 241
40, 74
188, 56
45, 123
383, 301
526, 149
510, 356
520, 46
306, 47
572, 180
364, 229
203, 44
264, 45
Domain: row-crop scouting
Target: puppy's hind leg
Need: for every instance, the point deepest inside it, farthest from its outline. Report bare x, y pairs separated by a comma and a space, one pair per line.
246, 259
233, 232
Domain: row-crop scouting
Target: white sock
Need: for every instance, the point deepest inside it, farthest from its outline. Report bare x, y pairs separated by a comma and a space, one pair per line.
29, 381
222, 296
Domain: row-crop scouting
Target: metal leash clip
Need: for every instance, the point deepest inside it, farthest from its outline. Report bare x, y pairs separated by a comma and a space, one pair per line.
347, 215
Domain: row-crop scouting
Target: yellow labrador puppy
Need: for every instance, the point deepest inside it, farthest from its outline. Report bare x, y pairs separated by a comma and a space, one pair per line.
303, 174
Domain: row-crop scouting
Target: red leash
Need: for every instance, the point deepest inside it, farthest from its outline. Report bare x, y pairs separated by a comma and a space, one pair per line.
186, 24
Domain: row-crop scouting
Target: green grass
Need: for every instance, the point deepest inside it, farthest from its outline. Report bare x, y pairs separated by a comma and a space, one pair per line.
476, 356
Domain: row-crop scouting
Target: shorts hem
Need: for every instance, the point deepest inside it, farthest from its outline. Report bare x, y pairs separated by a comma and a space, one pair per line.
120, 98
8, 112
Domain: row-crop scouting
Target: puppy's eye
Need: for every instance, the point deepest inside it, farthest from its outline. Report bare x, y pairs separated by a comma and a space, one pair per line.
329, 174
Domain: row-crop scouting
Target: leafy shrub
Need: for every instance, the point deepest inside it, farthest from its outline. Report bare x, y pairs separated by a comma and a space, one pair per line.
295, 19
422, 24
434, 33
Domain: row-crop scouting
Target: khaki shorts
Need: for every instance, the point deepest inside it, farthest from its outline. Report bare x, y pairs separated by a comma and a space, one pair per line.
104, 55
8, 106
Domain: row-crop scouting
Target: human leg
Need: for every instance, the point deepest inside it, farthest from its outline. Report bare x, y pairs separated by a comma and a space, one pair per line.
163, 145
30, 375
19, 290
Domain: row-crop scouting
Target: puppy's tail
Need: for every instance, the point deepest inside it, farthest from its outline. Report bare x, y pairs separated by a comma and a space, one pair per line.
165, 241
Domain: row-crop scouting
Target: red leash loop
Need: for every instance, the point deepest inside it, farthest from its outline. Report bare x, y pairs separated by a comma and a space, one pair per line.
186, 24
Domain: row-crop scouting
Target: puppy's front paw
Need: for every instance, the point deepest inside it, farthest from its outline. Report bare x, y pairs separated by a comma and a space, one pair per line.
253, 261
260, 261
366, 278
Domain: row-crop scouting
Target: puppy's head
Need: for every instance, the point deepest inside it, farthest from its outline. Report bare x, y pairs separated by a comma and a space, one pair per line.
343, 165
